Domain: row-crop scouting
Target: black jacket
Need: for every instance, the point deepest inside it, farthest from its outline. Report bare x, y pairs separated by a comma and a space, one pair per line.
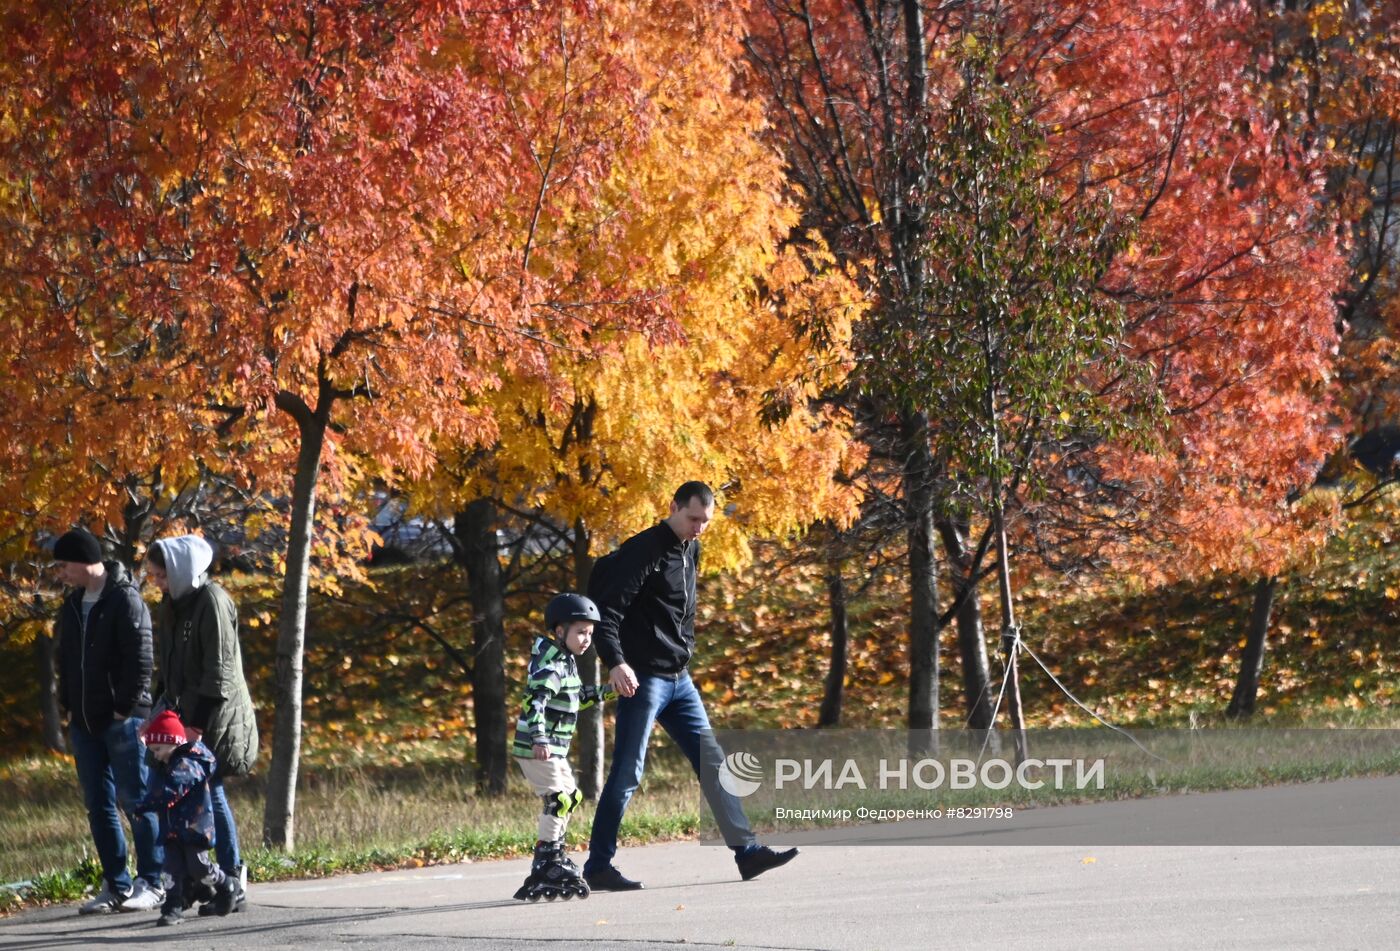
647, 599
104, 667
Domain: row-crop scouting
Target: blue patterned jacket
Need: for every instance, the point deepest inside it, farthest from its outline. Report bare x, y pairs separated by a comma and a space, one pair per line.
179, 791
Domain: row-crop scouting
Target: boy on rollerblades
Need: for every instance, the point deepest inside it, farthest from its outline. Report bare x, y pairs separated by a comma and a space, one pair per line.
554, 694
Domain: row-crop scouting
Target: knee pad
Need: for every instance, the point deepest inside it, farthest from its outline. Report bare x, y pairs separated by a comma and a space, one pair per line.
562, 803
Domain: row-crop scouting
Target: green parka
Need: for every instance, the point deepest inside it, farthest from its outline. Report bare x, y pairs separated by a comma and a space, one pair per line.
200, 665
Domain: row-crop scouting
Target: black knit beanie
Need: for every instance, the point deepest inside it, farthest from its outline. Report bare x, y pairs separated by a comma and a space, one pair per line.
78, 546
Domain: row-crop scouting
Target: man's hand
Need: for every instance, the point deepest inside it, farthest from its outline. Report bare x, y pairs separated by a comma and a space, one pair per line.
623, 680
540, 751
193, 734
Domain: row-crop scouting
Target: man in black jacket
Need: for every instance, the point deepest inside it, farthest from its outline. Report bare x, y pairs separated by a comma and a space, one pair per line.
104, 689
646, 594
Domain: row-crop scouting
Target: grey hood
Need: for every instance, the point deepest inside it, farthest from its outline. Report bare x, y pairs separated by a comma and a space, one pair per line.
187, 558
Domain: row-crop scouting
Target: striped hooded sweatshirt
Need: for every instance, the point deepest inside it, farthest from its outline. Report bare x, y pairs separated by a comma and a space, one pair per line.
553, 696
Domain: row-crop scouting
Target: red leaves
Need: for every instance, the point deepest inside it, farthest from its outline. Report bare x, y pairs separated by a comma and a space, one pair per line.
1231, 281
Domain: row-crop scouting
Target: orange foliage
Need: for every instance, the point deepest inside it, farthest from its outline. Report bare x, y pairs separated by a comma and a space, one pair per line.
1229, 286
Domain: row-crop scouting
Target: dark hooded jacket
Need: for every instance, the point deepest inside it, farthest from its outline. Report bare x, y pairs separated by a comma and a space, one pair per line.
179, 791
104, 665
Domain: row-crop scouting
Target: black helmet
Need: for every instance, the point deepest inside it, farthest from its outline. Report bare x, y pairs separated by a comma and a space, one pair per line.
567, 607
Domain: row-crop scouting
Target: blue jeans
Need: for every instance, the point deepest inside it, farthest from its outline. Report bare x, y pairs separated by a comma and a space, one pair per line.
112, 772
677, 706
225, 832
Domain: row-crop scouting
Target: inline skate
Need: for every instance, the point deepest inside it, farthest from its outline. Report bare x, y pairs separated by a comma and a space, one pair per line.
553, 875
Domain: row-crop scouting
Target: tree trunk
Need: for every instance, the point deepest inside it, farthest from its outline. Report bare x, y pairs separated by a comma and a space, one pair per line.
46, 655
830, 714
1252, 662
279, 811
591, 736
476, 528
923, 587
135, 516
972, 645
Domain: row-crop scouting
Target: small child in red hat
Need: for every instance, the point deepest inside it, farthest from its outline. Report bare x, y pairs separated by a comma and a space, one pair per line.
181, 796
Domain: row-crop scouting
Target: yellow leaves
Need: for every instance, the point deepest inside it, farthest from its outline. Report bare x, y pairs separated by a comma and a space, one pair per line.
683, 400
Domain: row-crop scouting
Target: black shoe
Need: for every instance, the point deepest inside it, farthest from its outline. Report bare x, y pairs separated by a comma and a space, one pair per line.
234, 903
610, 880
171, 913
198, 893
240, 896
225, 893
757, 861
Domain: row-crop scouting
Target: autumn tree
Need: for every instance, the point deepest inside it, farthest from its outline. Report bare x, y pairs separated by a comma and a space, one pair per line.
1014, 343
1226, 288
848, 90
308, 216
1230, 291
699, 213
1326, 71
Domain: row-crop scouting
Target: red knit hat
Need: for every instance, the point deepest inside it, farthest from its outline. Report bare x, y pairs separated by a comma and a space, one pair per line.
165, 727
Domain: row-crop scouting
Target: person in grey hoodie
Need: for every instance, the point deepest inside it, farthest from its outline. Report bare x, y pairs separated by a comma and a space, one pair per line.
200, 676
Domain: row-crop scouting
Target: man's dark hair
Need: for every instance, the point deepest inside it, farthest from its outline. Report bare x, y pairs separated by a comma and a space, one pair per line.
694, 490
156, 556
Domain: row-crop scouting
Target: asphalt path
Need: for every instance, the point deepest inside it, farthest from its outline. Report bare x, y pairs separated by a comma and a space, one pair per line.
862, 897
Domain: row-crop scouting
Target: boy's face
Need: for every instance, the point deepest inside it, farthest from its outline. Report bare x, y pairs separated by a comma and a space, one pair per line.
578, 636
161, 751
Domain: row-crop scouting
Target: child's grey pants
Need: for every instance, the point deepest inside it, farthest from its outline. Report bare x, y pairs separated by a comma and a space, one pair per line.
549, 778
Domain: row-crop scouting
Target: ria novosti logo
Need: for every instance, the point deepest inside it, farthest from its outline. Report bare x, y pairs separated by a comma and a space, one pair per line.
740, 774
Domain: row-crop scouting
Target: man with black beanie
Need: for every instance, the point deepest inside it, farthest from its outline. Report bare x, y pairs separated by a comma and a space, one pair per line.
104, 690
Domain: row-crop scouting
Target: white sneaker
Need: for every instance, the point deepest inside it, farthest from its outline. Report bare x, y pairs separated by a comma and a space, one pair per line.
103, 903
144, 897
